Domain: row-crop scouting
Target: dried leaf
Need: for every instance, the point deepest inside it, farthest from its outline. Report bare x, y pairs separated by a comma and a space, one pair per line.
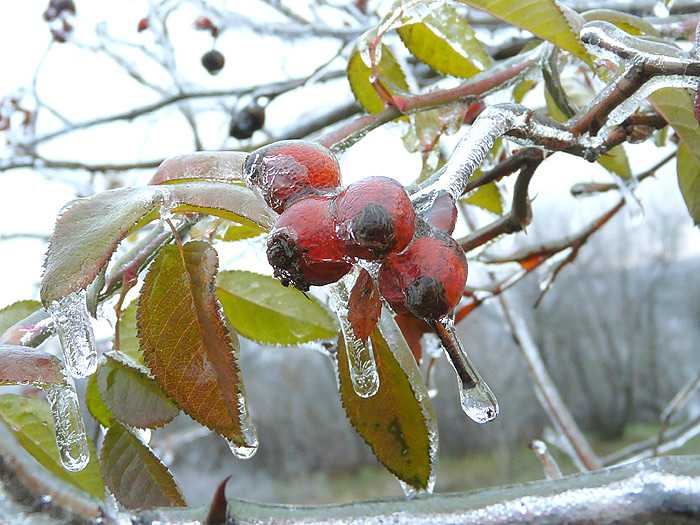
190, 351
134, 474
364, 306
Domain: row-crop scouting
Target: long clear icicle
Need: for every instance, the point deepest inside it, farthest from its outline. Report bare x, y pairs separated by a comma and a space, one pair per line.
478, 401
363, 367
249, 432
71, 439
72, 321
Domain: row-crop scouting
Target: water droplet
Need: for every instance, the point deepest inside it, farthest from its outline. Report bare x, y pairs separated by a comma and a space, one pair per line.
72, 322
69, 425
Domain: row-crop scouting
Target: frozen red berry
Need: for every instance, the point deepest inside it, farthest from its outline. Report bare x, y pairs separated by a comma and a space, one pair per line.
441, 213
374, 217
204, 23
302, 247
213, 61
427, 279
247, 121
285, 171
143, 25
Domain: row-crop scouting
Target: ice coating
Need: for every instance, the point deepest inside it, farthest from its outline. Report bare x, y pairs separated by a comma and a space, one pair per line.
71, 439
402, 353
250, 434
72, 322
477, 399
363, 367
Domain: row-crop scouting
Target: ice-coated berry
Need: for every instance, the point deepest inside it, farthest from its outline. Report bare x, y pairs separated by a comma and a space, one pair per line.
213, 61
374, 217
302, 247
284, 171
247, 121
442, 212
427, 279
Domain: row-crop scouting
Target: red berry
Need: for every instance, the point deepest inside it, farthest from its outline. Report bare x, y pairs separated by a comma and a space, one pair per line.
374, 217
143, 25
441, 214
427, 279
302, 247
284, 171
213, 61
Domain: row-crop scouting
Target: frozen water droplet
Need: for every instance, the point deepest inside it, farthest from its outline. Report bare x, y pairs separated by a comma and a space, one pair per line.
661, 9
412, 492
248, 431
244, 451
69, 425
363, 367
477, 399
72, 322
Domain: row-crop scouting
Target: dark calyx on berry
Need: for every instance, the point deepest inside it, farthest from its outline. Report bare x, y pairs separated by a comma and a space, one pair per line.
302, 247
213, 61
374, 217
247, 121
285, 171
427, 279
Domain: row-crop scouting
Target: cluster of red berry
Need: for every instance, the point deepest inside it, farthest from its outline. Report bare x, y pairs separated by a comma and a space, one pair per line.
323, 230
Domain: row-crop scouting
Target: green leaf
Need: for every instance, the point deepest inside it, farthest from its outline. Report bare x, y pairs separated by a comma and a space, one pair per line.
543, 18
616, 161
358, 76
20, 365
688, 171
221, 166
96, 406
393, 421
131, 395
263, 310
31, 422
15, 312
192, 354
128, 337
676, 106
88, 230
224, 230
446, 42
487, 197
134, 474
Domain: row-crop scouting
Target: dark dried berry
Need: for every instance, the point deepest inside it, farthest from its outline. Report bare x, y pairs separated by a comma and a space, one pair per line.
427, 279
247, 121
284, 171
374, 217
213, 61
302, 247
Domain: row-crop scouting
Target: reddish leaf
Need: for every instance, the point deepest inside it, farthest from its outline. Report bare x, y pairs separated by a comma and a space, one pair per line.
20, 365
134, 474
413, 329
223, 166
190, 351
364, 306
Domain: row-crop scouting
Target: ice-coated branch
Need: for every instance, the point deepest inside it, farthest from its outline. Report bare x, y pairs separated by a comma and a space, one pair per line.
654, 490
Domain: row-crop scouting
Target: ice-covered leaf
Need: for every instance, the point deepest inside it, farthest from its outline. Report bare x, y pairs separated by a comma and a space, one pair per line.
364, 306
20, 365
392, 421
487, 197
616, 161
446, 42
134, 474
263, 310
221, 166
359, 77
676, 106
413, 329
543, 18
95, 404
15, 312
688, 170
131, 395
191, 352
128, 337
88, 230
31, 422
224, 230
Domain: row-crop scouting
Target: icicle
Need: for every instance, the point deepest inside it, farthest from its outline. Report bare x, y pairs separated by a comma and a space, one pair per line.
363, 368
250, 434
72, 321
478, 402
71, 439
